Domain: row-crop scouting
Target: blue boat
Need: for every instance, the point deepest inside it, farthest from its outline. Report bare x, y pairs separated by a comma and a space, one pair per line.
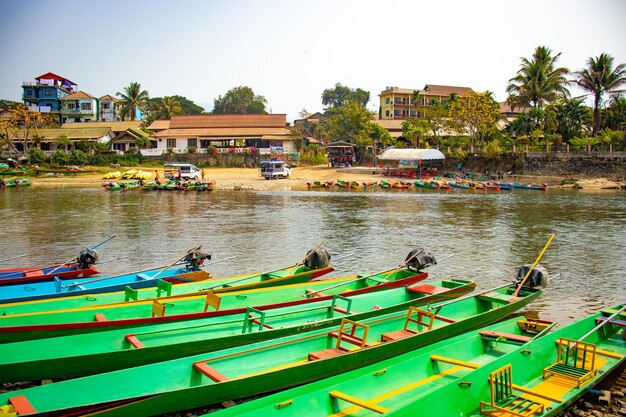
505, 186
54, 287
519, 186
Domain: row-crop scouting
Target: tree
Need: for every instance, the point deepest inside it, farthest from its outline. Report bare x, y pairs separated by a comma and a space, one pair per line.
538, 80
187, 106
476, 114
416, 131
133, 98
240, 100
164, 109
339, 94
24, 125
381, 138
571, 118
8, 104
349, 122
303, 113
598, 78
615, 115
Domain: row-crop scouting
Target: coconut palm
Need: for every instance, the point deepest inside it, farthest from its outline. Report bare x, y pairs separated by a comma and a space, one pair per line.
598, 78
167, 108
538, 80
133, 98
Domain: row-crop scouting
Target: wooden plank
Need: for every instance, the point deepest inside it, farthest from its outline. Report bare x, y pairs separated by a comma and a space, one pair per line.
454, 362
358, 402
22, 405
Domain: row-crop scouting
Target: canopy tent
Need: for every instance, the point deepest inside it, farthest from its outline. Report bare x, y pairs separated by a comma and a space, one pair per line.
411, 155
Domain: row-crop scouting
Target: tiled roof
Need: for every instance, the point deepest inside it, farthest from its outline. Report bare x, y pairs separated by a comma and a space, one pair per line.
232, 132
389, 124
506, 108
78, 94
159, 125
53, 76
228, 121
114, 126
87, 133
442, 90
108, 97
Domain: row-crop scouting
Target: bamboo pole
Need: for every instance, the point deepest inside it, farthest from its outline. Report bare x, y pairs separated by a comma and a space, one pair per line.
534, 265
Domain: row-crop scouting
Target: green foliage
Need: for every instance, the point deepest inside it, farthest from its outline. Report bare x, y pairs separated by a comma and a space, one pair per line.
416, 131
187, 106
60, 157
170, 150
614, 116
459, 154
339, 94
612, 137
211, 150
349, 122
163, 109
476, 114
492, 150
585, 141
192, 149
313, 155
240, 100
8, 104
85, 145
381, 138
36, 156
133, 98
79, 157
538, 80
142, 142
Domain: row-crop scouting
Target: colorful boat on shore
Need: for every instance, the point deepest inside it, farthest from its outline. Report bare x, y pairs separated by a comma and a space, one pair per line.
370, 185
279, 363
122, 186
68, 271
386, 386
505, 186
161, 338
519, 186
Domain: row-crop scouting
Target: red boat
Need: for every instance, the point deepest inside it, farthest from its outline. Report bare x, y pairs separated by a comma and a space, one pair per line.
69, 271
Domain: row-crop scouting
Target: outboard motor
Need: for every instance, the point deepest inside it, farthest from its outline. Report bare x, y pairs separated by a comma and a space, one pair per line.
418, 259
196, 258
87, 257
317, 258
539, 277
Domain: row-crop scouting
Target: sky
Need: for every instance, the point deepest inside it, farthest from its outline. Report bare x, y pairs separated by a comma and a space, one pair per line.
290, 51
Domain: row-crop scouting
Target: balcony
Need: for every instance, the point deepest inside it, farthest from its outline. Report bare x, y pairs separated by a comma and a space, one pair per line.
76, 111
402, 103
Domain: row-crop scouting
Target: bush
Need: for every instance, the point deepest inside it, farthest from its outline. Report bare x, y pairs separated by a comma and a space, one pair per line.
192, 149
211, 150
84, 145
79, 157
60, 157
36, 155
459, 154
492, 150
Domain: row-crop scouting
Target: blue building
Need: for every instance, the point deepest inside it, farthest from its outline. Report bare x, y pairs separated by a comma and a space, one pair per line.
45, 94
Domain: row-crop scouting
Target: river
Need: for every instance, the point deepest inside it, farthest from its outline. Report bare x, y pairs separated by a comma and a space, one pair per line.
491, 234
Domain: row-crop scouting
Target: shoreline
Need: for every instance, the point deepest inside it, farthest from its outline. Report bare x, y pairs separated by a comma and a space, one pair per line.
249, 179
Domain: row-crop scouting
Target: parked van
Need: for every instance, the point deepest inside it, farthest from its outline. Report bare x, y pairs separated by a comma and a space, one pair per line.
187, 171
274, 168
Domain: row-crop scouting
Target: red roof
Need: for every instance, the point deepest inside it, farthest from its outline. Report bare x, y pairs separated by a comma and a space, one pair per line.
53, 76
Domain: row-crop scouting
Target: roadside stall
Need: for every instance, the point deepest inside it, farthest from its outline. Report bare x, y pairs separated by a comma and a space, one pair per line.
341, 154
412, 163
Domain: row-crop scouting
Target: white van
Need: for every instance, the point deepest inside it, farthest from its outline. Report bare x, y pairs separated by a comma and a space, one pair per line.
187, 171
274, 168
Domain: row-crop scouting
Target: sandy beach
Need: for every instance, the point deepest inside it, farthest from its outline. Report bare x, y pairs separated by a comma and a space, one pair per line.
250, 179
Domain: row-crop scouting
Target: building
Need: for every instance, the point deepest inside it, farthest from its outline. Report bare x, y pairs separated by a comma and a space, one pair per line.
79, 107
306, 126
108, 109
398, 103
51, 139
45, 94
267, 132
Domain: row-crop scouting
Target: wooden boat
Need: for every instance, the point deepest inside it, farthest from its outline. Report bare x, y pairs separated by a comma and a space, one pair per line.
200, 302
342, 184
400, 184
442, 185
384, 184
370, 184
458, 185
505, 186
386, 387
161, 338
21, 275
208, 378
355, 185
518, 186
197, 285
15, 182
121, 186
491, 186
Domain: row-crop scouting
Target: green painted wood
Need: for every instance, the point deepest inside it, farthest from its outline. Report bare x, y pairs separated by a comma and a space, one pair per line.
89, 353
264, 366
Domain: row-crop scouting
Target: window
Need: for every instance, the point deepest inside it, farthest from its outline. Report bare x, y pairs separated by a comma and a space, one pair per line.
192, 142
387, 113
387, 100
171, 143
106, 106
85, 106
47, 93
28, 93
205, 143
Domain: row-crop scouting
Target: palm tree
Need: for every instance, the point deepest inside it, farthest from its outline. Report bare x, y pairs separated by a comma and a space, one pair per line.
538, 80
133, 98
598, 78
169, 107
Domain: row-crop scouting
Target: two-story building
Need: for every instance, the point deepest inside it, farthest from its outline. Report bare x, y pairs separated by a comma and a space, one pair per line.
108, 109
79, 107
398, 103
45, 94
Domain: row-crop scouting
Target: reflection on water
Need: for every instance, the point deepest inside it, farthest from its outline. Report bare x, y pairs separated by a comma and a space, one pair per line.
492, 234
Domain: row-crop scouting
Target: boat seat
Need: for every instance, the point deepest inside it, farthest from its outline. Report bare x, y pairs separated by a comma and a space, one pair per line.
503, 399
163, 286
22, 405
158, 309
132, 339
452, 361
212, 300
422, 315
312, 293
621, 323
368, 405
426, 289
574, 360
508, 337
99, 317
347, 333
209, 371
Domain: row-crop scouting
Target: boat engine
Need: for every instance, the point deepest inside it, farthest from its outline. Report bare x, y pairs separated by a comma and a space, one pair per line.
317, 258
87, 257
196, 258
539, 277
418, 259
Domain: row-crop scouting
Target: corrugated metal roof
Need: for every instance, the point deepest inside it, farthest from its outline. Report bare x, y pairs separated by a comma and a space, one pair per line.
411, 154
224, 132
114, 126
228, 121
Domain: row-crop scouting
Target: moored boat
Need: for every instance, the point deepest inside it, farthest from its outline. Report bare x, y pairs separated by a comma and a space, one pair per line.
274, 364
519, 186
162, 339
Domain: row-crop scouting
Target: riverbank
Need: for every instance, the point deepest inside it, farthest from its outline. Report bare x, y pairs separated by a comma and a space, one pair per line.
249, 178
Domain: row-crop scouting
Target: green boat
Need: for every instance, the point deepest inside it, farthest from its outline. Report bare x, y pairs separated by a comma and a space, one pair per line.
541, 377
198, 303
384, 184
284, 276
386, 386
278, 363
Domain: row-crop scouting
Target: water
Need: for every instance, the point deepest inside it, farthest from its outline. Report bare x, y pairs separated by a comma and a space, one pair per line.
491, 234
